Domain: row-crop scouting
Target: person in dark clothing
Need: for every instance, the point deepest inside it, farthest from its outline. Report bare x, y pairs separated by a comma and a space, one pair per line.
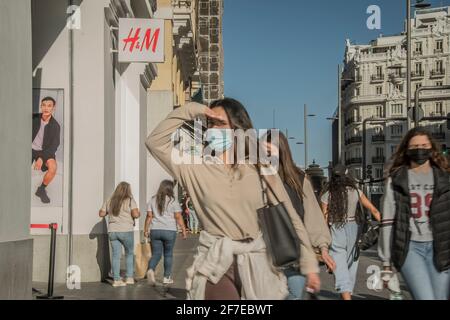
415, 229
45, 143
301, 194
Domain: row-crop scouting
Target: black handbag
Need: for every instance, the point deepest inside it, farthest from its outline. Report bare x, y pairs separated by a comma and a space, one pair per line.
282, 242
368, 232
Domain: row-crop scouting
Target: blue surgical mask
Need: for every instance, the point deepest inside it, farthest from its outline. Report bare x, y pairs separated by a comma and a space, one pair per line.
219, 140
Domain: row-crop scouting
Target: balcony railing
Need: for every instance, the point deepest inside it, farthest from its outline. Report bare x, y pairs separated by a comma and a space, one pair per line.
418, 74
378, 160
377, 77
357, 78
438, 73
396, 75
436, 114
351, 140
438, 51
352, 120
378, 138
353, 161
438, 135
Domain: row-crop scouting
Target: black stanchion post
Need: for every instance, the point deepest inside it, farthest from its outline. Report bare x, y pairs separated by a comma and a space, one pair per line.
51, 272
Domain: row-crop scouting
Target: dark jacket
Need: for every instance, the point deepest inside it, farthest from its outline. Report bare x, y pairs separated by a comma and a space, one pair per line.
51, 135
439, 218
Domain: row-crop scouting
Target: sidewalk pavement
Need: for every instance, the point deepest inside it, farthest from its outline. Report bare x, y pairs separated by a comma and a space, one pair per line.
183, 257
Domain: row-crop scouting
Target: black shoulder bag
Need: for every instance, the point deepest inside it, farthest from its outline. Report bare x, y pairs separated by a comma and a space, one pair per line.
283, 244
368, 233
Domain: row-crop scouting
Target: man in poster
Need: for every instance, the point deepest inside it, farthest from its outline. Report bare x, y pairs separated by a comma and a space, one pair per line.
45, 142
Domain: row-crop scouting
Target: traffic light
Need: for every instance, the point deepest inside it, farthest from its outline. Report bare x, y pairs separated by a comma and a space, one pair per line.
369, 172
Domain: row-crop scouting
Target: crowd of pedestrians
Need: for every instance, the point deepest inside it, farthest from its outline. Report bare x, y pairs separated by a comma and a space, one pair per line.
221, 200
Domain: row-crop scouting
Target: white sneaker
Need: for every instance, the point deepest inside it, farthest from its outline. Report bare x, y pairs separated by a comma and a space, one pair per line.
130, 281
151, 277
118, 283
168, 280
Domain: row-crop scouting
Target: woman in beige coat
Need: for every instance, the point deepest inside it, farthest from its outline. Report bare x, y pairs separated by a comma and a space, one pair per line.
231, 260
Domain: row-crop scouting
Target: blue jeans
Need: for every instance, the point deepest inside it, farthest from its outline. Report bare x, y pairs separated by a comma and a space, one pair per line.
342, 251
296, 284
119, 239
421, 276
193, 220
163, 242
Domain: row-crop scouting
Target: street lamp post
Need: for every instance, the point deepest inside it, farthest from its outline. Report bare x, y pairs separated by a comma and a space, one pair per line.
305, 120
418, 5
339, 116
408, 57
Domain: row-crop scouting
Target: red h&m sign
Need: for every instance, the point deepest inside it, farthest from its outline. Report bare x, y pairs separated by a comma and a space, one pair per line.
141, 40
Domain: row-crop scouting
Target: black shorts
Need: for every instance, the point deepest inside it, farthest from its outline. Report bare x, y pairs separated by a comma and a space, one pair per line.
38, 154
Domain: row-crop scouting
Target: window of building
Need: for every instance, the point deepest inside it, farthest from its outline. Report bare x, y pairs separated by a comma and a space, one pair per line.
438, 83
398, 72
379, 173
418, 85
419, 68
397, 109
418, 47
203, 5
214, 4
358, 173
379, 90
379, 71
439, 108
439, 65
399, 87
397, 130
379, 111
393, 149
357, 92
439, 45
379, 152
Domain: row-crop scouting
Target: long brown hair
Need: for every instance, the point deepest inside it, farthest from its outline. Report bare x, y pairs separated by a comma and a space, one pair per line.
165, 190
401, 159
288, 171
122, 193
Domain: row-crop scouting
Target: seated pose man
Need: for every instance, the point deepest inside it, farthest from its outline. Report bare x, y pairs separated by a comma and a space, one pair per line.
45, 142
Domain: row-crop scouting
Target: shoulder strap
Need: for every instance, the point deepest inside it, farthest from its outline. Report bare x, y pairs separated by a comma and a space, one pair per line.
264, 182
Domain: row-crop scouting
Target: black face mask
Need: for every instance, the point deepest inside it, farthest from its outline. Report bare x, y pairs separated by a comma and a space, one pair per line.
419, 156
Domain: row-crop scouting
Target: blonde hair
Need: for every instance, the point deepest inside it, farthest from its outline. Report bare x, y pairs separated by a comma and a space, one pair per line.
122, 192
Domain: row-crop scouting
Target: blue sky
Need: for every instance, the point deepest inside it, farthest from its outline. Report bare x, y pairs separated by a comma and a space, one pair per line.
282, 54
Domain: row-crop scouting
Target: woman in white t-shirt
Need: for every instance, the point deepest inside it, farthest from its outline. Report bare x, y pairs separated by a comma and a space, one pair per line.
122, 210
163, 214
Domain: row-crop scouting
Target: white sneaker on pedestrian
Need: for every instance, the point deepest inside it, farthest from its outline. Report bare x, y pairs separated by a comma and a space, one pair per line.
130, 281
151, 277
118, 283
168, 280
